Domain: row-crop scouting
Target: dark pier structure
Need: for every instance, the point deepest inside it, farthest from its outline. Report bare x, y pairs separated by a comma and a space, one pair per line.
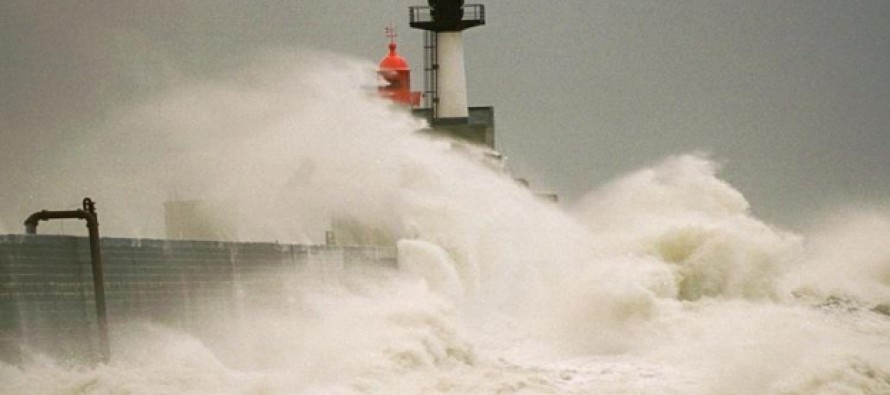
65, 296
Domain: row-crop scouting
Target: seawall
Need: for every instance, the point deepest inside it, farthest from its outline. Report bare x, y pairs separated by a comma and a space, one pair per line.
46, 290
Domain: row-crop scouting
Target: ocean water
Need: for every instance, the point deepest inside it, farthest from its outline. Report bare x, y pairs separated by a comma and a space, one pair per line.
658, 282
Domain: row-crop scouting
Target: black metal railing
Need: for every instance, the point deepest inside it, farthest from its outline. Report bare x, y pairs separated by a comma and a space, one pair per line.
422, 18
431, 71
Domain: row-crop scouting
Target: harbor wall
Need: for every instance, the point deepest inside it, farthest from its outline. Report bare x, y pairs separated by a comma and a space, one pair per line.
46, 289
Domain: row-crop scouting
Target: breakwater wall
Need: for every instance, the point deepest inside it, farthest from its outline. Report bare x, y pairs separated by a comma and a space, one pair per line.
46, 291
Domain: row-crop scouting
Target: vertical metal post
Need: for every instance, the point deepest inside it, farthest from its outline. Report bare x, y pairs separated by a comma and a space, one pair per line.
98, 280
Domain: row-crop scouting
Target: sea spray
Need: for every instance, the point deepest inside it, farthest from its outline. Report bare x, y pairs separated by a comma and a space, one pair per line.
680, 213
847, 260
348, 330
293, 138
731, 270
659, 282
433, 265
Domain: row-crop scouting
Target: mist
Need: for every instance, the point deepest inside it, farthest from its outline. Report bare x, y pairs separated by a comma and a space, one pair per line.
722, 228
661, 280
791, 96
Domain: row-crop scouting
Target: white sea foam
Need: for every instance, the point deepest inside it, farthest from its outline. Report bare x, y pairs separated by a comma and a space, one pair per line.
848, 258
660, 282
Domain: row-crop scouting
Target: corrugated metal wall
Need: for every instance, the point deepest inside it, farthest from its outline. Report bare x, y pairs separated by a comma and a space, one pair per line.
46, 294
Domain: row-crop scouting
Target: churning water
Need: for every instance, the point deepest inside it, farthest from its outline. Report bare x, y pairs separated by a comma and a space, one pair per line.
660, 282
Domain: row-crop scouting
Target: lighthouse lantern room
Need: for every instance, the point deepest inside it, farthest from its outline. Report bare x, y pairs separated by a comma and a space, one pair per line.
395, 74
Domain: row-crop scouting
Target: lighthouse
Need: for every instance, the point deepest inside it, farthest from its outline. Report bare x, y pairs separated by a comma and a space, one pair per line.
395, 75
445, 81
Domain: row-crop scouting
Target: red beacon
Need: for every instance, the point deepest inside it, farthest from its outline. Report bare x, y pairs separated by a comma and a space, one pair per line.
396, 75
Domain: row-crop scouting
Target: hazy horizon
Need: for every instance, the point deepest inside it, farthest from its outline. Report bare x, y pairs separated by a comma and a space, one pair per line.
791, 97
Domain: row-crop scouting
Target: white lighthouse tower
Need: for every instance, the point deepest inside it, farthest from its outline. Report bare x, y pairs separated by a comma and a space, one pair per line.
445, 81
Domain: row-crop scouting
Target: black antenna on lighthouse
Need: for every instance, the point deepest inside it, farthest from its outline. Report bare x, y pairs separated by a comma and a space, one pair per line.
390, 32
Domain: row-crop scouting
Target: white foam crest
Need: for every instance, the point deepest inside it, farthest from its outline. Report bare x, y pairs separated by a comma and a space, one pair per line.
158, 361
743, 347
698, 225
847, 259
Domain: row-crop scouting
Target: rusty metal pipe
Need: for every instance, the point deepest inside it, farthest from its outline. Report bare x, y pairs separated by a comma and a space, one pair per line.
88, 213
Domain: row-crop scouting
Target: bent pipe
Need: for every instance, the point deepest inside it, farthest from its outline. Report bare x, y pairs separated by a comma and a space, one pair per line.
88, 213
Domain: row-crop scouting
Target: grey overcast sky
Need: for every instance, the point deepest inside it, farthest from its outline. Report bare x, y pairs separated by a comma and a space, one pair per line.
792, 96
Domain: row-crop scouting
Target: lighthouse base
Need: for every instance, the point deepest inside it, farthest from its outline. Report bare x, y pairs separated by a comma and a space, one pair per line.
477, 128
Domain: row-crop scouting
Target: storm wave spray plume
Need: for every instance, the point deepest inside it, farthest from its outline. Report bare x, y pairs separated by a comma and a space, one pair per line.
658, 282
